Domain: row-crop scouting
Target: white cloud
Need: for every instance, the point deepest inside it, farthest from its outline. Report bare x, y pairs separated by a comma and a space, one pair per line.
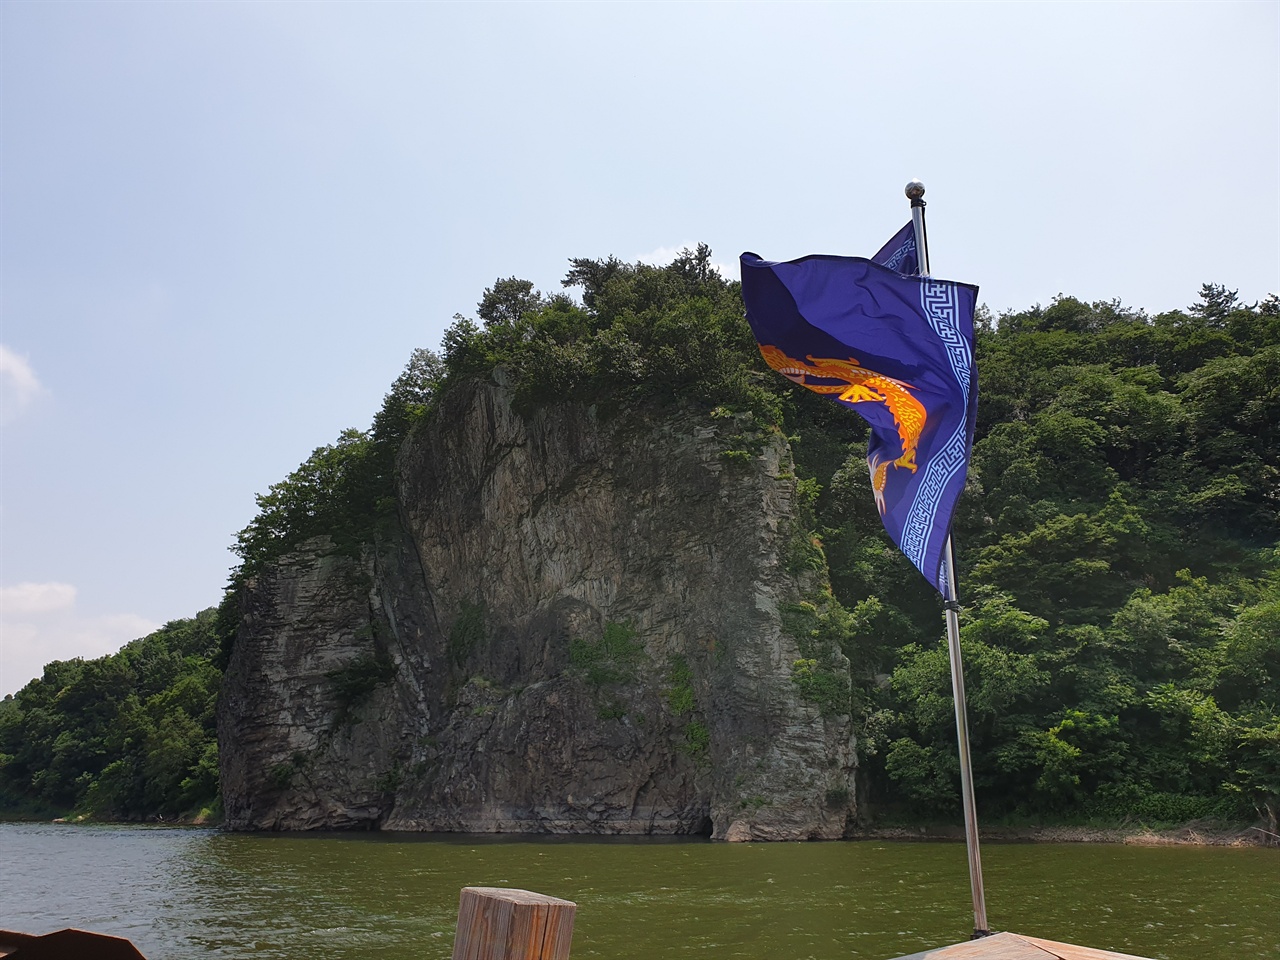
39, 623
730, 271
27, 598
664, 255
112, 631
18, 384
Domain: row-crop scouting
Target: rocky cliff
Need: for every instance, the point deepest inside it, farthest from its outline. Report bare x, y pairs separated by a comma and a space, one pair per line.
586, 620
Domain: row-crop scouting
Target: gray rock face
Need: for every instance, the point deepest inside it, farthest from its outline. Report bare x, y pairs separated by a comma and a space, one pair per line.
577, 628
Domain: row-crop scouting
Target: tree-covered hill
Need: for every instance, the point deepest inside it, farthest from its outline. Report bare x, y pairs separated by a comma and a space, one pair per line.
1118, 548
126, 736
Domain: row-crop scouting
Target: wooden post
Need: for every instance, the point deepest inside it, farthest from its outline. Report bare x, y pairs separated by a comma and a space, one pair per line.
495, 923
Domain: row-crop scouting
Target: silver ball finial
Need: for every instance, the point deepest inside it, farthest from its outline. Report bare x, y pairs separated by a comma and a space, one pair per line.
915, 190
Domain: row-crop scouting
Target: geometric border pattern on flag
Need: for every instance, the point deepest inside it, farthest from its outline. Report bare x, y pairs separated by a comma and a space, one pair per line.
918, 528
940, 304
908, 246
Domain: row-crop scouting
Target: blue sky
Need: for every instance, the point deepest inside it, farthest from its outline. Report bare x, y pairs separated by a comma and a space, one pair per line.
224, 226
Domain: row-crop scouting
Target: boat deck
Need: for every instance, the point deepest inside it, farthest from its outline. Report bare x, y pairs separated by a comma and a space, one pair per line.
1015, 946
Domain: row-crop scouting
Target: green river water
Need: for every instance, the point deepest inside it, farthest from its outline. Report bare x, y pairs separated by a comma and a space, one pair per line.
186, 893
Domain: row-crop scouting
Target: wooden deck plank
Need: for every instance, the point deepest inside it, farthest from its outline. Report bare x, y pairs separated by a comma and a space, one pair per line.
1069, 951
1000, 946
1013, 946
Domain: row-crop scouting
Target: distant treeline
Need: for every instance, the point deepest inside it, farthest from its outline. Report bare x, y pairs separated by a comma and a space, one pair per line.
1118, 548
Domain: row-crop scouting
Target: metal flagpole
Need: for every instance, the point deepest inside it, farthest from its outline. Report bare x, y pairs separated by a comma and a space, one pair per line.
915, 193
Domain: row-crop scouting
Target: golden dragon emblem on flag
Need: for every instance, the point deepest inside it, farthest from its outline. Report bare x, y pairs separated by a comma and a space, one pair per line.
854, 383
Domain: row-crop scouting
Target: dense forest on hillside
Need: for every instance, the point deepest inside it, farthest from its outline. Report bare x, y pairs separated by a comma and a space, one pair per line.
126, 736
1118, 548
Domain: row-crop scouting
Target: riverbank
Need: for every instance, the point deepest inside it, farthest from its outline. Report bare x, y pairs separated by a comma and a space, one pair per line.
1196, 833
204, 818
209, 816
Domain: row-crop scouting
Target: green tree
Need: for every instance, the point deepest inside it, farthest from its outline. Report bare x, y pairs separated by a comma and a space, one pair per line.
129, 735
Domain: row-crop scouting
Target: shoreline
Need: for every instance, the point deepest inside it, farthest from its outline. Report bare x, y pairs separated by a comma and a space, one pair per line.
1189, 834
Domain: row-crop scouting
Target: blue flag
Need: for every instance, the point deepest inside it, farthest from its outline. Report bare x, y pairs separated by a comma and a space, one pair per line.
896, 349
900, 252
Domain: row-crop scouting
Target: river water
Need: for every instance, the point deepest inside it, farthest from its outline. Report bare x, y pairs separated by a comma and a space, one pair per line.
188, 893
